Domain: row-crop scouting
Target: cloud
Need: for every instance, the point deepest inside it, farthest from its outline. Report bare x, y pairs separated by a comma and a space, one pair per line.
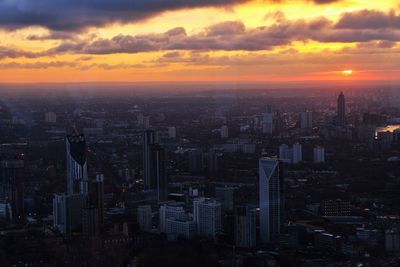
67, 15
233, 35
228, 36
64, 15
369, 19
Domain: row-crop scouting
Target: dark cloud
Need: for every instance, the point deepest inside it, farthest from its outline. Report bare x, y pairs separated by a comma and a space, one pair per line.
369, 19
7, 52
64, 15
67, 15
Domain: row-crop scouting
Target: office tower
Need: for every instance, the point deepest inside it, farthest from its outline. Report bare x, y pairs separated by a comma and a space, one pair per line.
144, 218
148, 141
96, 197
270, 198
12, 188
207, 215
68, 211
90, 221
341, 110
297, 153
158, 180
171, 210
50, 117
172, 132
245, 227
224, 132
306, 120
267, 123
175, 228
77, 176
225, 196
319, 154
285, 153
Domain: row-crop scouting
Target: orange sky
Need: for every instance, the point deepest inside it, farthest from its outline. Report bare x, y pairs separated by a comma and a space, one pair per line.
243, 41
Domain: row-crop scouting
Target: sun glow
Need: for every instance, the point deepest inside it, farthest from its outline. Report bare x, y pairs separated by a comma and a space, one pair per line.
347, 72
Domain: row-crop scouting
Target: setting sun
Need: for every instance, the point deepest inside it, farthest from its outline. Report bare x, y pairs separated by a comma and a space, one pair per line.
347, 72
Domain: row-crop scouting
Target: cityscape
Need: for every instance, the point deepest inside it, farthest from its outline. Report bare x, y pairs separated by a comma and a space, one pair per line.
226, 133
245, 178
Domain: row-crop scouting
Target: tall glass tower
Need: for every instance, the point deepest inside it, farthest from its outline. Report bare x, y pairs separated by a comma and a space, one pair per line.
77, 175
270, 198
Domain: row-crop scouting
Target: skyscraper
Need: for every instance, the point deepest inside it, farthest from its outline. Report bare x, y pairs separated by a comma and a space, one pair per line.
341, 110
68, 211
319, 154
267, 123
77, 175
297, 153
148, 141
90, 221
225, 196
306, 120
96, 197
12, 188
245, 227
270, 198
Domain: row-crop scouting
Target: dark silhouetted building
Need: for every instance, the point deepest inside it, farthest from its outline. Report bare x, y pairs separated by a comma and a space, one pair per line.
12, 188
341, 110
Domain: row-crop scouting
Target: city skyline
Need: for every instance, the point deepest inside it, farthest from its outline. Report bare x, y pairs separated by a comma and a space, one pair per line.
209, 41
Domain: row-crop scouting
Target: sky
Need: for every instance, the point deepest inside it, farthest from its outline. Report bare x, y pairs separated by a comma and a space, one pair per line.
47, 41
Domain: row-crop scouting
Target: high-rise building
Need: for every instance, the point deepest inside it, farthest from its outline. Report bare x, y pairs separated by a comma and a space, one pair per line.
77, 175
224, 132
207, 215
271, 199
319, 154
144, 217
225, 196
306, 120
297, 153
267, 123
285, 153
170, 210
158, 180
245, 227
341, 110
148, 141
90, 221
68, 211
96, 197
12, 188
